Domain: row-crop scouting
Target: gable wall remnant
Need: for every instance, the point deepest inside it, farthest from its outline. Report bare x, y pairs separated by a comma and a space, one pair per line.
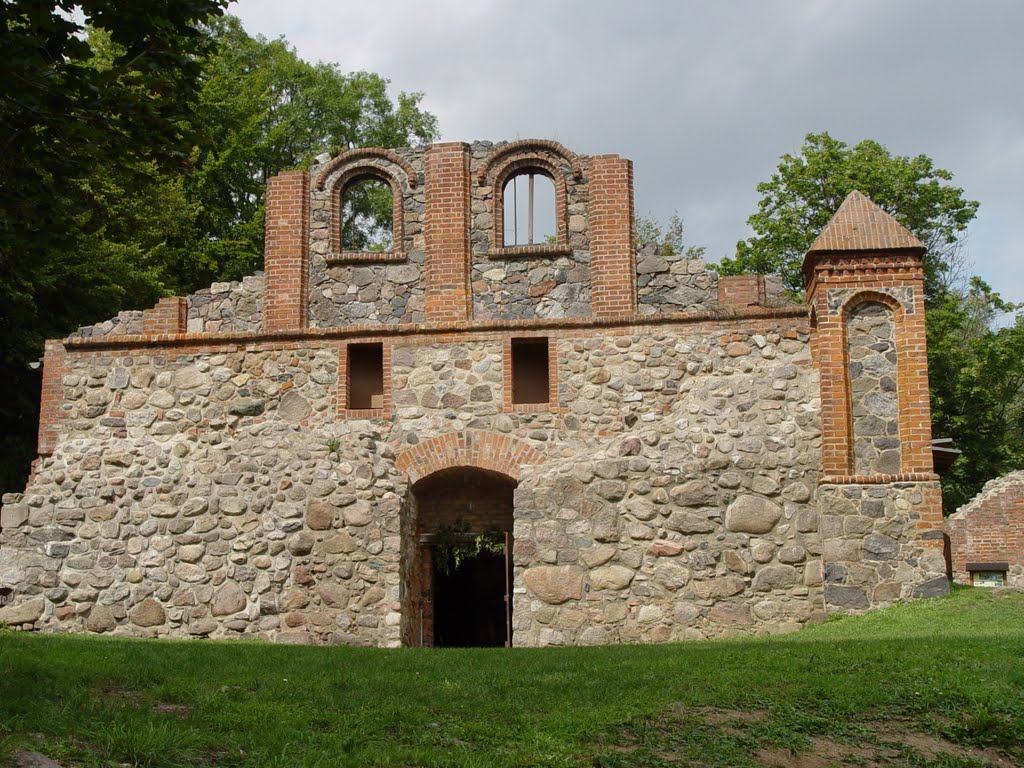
990, 530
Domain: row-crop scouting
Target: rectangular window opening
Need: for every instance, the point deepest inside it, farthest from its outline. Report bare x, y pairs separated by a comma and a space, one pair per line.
988, 574
365, 376
530, 366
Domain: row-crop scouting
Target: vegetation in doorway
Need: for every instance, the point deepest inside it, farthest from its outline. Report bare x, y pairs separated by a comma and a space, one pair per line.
456, 544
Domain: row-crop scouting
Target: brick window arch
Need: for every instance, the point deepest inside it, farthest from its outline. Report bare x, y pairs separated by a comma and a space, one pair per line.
523, 158
346, 182
352, 167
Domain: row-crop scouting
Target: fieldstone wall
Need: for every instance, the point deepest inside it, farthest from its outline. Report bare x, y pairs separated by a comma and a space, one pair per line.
437, 387
871, 341
223, 307
362, 291
673, 284
871, 546
218, 494
697, 519
126, 323
220, 502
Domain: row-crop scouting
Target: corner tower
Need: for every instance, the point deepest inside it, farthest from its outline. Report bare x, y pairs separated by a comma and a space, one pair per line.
879, 500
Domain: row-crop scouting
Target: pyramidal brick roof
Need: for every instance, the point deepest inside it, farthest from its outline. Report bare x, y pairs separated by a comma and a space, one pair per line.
860, 225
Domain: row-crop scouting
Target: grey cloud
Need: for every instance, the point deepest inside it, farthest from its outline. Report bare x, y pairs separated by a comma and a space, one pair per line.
704, 97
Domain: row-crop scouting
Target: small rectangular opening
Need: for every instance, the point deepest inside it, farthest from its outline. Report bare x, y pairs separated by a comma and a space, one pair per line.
365, 376
530, 367
988, 574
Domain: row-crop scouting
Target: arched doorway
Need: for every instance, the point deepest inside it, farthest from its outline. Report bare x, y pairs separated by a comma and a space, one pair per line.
462, 574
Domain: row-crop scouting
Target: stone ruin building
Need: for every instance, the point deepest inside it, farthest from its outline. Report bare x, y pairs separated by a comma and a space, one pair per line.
667, 453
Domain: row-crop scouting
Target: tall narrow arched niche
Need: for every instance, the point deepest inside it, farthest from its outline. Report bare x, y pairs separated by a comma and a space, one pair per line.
873, 377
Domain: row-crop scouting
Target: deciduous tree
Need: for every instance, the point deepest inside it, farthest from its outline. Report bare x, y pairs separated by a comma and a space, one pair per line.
807, 189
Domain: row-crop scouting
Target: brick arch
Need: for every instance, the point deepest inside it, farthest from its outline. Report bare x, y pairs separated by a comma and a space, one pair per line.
484, 450
520, 163
361, 155
529, 146
878, 297
359, 170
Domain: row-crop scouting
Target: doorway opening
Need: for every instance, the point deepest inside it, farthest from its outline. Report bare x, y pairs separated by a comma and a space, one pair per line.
469, 602
466, 600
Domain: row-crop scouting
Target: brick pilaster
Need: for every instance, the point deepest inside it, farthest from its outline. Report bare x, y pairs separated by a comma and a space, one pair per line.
52, 396
612, 258
446, 224
286, 254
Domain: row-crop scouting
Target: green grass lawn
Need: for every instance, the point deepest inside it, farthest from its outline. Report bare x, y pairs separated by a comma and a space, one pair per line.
937, 683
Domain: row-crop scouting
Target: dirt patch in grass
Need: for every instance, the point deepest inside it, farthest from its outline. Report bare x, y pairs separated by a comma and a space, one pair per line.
933, 747
887, 744
172, 709
714, 716
715, 736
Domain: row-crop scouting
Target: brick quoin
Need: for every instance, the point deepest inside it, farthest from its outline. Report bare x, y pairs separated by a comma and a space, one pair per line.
741, 290
483, 450
871, 272
446, 224
54, 368
867, 254
286, 253
167, 317
612, 257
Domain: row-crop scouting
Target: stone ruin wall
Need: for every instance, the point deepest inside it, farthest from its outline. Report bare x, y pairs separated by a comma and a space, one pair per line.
216, 494
222, 308
681, 483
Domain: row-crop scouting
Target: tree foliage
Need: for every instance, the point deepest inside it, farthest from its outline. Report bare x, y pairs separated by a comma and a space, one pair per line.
807, 189
136, 139
668, 238
72, 129
976, 369
262, 109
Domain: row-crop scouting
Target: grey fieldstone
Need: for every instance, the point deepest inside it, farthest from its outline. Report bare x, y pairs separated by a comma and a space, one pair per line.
27, 612
752, 514
148, 613
555, 584
932, 588
613, 577
845, 597
774, 577
229, 599
101, 619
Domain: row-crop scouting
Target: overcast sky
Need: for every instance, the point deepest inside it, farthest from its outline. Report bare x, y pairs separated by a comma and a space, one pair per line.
705, 96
